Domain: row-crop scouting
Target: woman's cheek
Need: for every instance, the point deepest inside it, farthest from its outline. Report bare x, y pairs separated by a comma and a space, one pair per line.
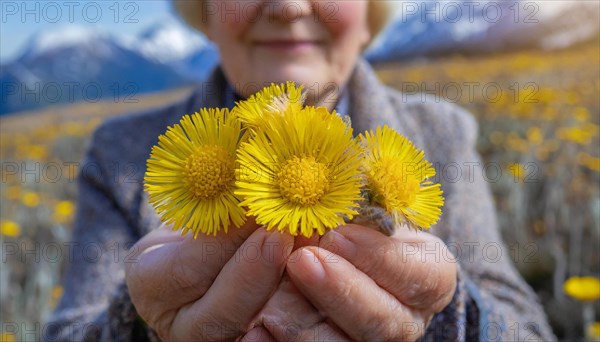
342, 17
236, 16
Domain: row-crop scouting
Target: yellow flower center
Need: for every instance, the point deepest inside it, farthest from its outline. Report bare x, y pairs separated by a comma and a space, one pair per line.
394, 184
303, 180
208, 171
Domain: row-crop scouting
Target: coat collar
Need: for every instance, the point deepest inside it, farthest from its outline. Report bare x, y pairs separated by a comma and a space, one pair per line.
369, 105
373, 104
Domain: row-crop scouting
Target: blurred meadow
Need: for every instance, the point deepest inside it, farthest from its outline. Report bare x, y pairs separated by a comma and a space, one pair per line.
539, 117
538, 114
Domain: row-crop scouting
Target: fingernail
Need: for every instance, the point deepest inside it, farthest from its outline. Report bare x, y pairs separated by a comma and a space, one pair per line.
338, 244
309, 266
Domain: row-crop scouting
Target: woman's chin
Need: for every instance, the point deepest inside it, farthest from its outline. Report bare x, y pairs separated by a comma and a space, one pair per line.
301, 74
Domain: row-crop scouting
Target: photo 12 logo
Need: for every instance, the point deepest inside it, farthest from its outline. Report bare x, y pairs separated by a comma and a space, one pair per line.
69, 11
468, 11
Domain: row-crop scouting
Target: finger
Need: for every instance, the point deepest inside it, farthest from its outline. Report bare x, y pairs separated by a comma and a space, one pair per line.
169, 270
322, 331
165, 234
288, 312
258, 334
289, 316
415, 267
240, 290
352, 300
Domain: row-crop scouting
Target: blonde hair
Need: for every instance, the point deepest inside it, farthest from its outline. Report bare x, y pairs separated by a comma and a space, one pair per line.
378, 16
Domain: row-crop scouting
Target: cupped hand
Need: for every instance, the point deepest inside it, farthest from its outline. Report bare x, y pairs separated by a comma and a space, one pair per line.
359, 284
209, 288
289, 316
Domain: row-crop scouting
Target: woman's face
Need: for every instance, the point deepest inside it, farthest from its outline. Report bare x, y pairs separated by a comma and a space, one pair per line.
315, 43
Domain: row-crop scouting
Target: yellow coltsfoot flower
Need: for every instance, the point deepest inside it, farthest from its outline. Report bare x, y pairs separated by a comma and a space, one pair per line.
301, 172
190, 175
583, 288
256, 111
396, 176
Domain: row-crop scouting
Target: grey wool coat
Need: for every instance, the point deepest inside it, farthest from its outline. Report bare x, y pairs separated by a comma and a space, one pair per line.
491, 302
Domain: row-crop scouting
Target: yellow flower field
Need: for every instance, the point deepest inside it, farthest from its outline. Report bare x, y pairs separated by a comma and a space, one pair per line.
539, 134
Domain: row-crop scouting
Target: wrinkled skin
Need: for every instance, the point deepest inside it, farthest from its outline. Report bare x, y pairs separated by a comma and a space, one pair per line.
353, 283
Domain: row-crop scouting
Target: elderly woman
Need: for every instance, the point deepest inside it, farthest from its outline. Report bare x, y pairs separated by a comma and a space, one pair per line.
354, 283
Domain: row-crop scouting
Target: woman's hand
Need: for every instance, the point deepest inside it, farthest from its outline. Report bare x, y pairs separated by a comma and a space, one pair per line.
362, 285
209, 288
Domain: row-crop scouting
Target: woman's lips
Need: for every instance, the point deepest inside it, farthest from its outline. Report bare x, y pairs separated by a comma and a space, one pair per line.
287, 45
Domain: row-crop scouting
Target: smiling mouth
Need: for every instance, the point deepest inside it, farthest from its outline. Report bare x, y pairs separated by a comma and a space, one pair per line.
287, 45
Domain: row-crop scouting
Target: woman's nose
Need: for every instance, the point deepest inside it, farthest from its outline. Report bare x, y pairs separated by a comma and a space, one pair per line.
289, 10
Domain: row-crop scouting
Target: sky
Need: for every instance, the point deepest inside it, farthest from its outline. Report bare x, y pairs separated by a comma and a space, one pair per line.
20, 20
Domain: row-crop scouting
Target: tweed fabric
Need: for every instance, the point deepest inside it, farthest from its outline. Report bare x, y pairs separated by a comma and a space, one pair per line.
492, 302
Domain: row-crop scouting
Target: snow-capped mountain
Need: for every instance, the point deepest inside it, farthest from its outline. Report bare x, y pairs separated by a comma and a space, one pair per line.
78, 64
433, 28
62, 38
168, 42
188, 52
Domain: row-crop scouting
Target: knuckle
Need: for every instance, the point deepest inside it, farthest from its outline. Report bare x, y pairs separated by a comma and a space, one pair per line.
444, 291
381, 327
432, 291
424, 290
376, 264
341, 292
382, 260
